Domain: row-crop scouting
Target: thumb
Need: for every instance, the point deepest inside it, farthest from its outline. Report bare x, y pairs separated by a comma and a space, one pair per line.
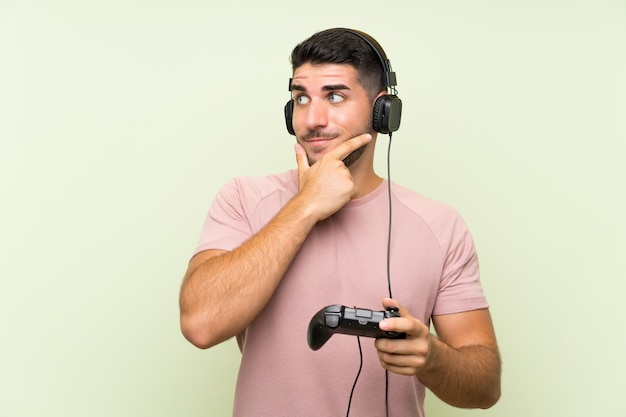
301, 159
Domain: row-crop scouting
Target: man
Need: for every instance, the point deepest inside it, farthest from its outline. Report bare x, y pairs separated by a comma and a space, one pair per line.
275, 250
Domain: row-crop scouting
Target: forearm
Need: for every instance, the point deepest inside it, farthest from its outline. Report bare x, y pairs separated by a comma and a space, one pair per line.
467, 377
222, 295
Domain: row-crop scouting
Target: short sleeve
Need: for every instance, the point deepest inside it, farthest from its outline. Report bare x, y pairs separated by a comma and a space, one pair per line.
226, 226
460, 288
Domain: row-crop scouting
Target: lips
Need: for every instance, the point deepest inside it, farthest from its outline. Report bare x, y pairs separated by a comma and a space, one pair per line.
317, 139
317, 142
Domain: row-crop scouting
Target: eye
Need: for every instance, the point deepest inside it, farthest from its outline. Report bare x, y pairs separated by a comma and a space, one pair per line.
301, 99
335, 98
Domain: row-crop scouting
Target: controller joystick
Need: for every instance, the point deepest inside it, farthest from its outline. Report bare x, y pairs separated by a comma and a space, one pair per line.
352, 321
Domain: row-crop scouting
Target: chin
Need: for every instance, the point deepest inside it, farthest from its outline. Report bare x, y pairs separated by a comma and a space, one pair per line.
348, 160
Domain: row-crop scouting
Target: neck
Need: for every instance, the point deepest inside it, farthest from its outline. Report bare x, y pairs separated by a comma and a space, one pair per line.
363, 172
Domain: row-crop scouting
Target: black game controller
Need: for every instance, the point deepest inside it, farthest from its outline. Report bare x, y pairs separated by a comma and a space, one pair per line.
345, 320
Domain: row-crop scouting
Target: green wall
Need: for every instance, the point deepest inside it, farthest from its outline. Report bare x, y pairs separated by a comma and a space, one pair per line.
119, 121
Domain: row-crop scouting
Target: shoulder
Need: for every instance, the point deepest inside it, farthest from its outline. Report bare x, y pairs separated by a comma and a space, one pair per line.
427, 208
444, 222
255, 198
257, 188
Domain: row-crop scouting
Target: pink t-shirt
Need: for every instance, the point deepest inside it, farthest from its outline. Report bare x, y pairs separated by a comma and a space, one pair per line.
434, 271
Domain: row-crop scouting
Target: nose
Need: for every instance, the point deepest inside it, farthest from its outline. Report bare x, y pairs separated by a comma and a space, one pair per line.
316, 115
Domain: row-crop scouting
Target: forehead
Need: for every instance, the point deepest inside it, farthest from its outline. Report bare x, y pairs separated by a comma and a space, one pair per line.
325, 74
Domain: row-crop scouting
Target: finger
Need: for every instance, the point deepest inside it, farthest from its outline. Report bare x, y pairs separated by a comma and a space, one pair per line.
301, 159
390, 302
349, 146
405, 323
400, 370
400, 364
411, 353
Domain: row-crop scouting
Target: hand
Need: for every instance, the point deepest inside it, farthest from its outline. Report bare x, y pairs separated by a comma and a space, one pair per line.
328, 185
404, 356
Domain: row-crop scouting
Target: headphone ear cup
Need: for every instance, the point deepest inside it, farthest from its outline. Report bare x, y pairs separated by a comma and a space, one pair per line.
378, 114
386, 114
289, 117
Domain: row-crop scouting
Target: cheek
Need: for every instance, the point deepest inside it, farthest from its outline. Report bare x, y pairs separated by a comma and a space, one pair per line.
359, 122
349, 119
362, 114
298, 121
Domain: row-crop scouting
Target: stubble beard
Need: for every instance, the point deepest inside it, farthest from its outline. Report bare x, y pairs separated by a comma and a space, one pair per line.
354, 155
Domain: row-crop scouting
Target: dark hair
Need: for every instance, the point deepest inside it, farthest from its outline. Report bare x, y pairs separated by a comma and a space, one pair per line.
340, 46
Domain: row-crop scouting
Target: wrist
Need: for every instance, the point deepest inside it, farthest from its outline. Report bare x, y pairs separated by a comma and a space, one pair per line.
432, 359
301, 211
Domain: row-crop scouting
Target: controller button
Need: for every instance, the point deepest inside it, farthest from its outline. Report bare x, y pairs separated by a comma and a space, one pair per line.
332, 321
333, 309
360, 312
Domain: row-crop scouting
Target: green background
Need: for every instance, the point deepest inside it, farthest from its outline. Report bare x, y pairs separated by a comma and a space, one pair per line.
120, 120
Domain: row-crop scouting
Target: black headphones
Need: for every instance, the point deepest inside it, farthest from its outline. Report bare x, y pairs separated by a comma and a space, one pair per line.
387, 108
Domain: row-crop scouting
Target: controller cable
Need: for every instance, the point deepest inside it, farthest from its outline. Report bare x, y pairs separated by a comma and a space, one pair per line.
358, 338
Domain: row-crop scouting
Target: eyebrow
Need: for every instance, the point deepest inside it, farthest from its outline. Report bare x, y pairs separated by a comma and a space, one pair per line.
331, 87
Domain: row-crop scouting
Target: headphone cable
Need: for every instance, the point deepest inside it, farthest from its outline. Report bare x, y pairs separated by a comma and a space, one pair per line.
358, 338
388, 259
390, 217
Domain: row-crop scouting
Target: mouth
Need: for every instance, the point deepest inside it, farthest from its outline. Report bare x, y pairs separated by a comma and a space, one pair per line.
317, 139
317, 142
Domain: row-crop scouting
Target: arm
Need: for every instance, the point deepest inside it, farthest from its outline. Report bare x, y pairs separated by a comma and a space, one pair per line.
223, 292
461, 366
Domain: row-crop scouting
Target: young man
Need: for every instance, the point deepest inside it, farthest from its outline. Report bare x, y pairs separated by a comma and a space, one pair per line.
275, 250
